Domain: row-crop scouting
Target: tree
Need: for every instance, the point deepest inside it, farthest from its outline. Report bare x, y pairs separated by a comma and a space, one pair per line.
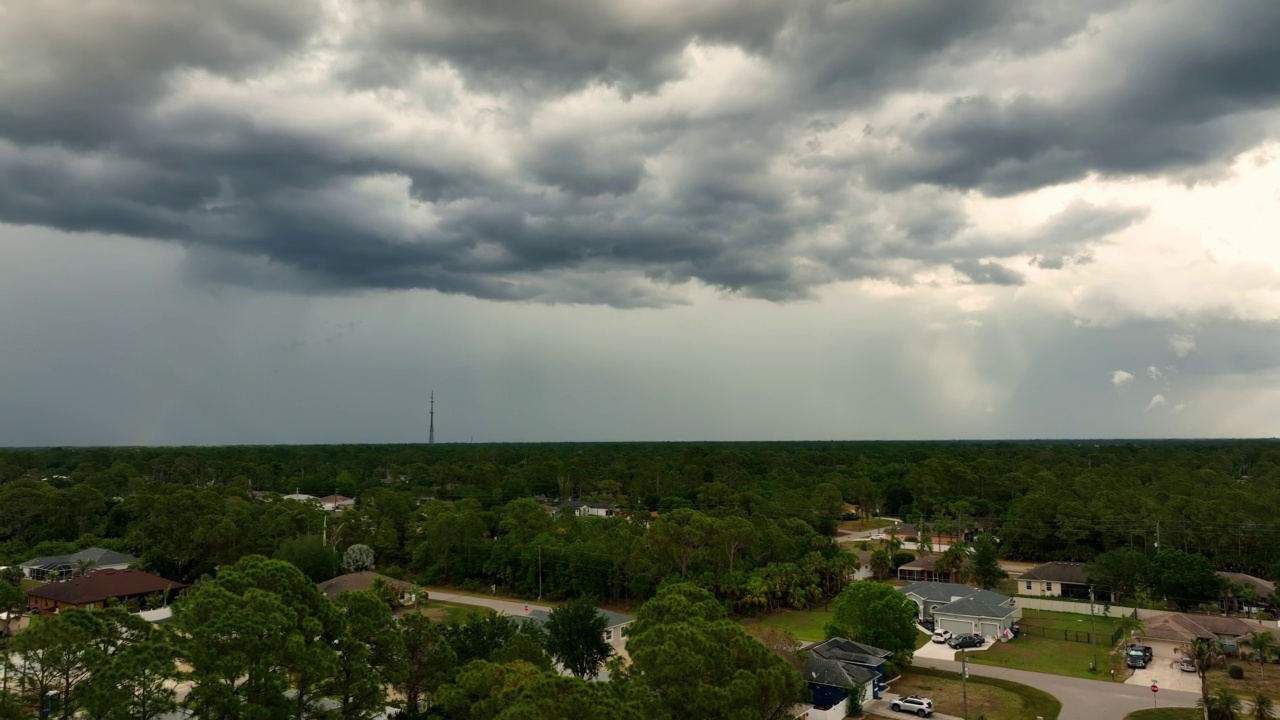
357, 558
258, 629
575, 637
1118, 572
1185, 578
136, 683
1263, 708
876, 614
780, 641
984, 567
1206, 654
697, 662
881, 563
1222, 706
857, 695
553, 697
1263, 644
309, 554
64, 654
367, 645
424, 660
12, 602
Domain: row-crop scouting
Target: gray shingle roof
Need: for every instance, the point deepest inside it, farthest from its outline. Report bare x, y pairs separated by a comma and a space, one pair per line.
940, 591
99, 556
842, 663
974, 607
1057, 571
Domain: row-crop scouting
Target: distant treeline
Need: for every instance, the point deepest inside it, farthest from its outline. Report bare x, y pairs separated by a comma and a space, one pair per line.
188, 509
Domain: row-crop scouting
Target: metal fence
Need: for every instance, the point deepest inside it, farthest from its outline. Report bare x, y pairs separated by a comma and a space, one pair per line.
1055, 633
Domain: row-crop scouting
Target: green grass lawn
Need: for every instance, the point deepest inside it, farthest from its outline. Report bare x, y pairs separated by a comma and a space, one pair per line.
803, 624
441, 611
1166, 714
861, 525
922, 639
995, 699
1051, 653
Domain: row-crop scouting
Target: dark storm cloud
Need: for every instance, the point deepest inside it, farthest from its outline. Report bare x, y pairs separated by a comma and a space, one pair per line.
1183, 90
595, 178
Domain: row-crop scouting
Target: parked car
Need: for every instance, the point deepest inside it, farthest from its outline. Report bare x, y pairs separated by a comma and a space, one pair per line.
940, 636
1138, 656
921, 706
1186, 664
959, 642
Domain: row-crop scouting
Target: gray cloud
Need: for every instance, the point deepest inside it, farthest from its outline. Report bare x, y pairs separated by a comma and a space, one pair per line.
513, 183
1179, 91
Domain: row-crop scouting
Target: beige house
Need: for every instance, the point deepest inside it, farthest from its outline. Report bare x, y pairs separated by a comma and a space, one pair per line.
1055, 579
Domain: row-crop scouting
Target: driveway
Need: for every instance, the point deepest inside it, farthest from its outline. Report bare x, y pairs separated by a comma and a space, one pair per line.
1164, 673
882, 707
1081, 699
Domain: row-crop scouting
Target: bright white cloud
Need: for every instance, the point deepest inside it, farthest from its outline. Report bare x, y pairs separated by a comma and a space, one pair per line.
1120, 378
1156, 402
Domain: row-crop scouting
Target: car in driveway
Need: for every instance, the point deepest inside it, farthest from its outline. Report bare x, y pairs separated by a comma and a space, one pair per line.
940, 636
959, 642
1186, 664
921, 706
1138, 656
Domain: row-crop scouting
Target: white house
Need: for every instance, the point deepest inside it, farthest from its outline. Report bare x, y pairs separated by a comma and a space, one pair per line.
963, 609
334, 503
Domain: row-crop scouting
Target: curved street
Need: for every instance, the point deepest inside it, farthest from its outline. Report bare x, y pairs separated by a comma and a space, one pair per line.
1081, 699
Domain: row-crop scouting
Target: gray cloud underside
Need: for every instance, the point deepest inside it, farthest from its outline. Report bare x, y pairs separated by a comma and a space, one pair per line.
590, 211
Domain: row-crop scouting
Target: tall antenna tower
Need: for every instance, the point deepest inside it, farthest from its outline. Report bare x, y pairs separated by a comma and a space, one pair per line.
431, 434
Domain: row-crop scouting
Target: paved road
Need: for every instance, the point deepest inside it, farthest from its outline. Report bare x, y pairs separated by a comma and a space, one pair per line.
1081, 699
507, 607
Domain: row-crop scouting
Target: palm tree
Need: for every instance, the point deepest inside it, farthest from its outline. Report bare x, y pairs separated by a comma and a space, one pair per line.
1223, 706
1206, 654
1129, 624
84, 566
1263, 644
924, 543
1263, 709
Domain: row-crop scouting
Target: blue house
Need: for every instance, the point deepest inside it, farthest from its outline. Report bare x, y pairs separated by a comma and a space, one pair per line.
833, 667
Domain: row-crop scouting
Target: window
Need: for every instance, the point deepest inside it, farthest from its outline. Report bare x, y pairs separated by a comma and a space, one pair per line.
608, 635
1028, 584
1048, 587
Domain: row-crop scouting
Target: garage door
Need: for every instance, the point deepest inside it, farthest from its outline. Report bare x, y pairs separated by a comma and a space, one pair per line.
990, 629
957, 627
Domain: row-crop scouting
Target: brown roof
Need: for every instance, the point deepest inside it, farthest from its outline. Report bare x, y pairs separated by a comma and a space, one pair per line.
1264, 587
926, 562
104, 585
335, 499
1185, 628
1057, 571
360, 581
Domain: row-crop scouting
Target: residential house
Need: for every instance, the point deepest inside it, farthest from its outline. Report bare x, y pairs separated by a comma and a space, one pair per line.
834, 667
356, 581
300, 497
911, 533
864, 564
334, 503
584, 509
97, 588
615, 623
64, 566
924, 569
963, 609
1055, 579
1167, 633
1245, 592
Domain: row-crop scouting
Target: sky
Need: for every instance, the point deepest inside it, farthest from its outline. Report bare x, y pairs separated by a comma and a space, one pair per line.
255, 221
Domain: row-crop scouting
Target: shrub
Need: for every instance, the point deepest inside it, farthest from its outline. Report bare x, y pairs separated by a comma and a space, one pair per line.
902, 558
1235, 671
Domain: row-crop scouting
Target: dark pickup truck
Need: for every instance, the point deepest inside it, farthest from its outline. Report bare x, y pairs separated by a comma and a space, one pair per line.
1138, 656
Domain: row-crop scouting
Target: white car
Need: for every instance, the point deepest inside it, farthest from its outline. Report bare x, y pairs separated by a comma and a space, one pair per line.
921, 706
941, 636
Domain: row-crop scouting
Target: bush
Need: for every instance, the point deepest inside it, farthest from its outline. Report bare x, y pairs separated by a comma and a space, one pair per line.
1235, 671
902, 558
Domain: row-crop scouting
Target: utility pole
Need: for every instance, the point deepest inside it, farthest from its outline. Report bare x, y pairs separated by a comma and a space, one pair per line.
1093, 632
539, 572
431, 433
964, 680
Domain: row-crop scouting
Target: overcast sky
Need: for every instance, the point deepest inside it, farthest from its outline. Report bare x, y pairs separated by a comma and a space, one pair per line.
260, 221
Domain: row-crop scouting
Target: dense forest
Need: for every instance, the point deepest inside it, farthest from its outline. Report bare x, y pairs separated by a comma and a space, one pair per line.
749, 521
